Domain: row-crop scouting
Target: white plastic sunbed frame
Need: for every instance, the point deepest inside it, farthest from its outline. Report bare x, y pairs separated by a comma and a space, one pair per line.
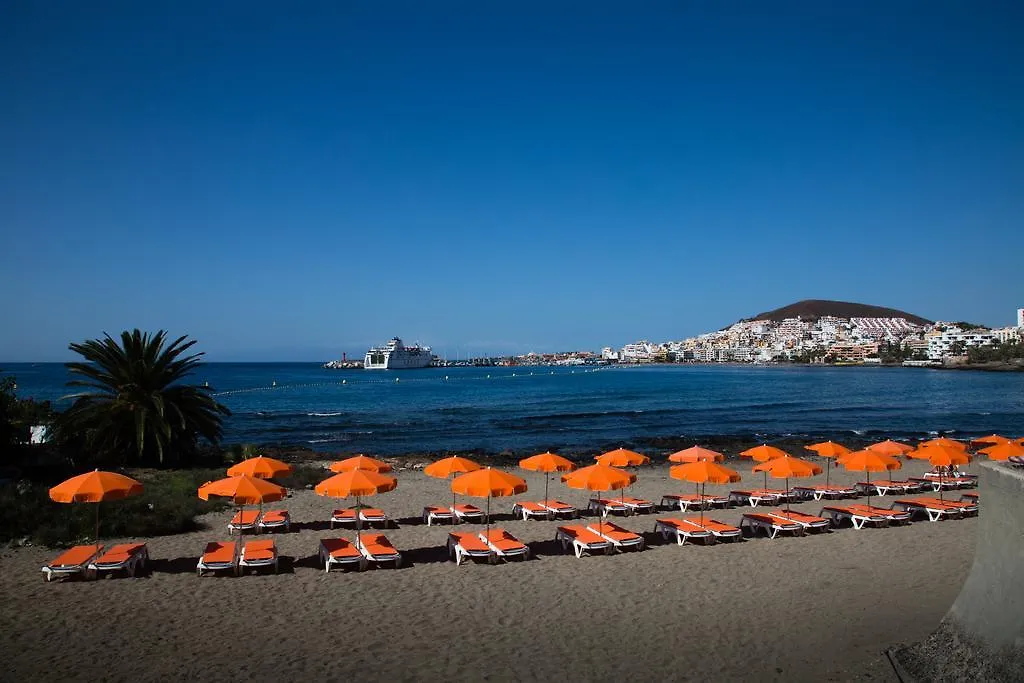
771, 528
581, 548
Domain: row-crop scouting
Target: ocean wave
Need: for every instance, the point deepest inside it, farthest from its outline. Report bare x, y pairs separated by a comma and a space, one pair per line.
323, 414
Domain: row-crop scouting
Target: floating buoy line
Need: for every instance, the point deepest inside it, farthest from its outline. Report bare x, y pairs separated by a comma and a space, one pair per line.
447, 379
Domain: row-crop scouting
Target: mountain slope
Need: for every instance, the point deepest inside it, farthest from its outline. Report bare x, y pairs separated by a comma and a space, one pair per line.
815, 308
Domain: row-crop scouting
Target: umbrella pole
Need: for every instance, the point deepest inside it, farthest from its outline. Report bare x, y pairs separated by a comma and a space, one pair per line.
97, 538
787, 495
453, 509
487, 533
701, 504
828, 468
869, 487
547, 478
940, 490
358, 514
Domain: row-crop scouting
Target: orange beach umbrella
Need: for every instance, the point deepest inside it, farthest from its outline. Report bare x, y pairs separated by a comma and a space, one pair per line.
702, 472
622, 457
547, 463
488, 483
95, 487
446, 468
696, 454
764, 453
243, 490
941, 456
260, 467
1004, 451
869, 461
943, 441
360, 462
787, 467
828, 449
991, 439
599, 478
890, 448
356, 483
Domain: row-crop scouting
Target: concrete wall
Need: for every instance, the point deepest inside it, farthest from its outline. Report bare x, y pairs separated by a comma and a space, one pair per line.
990, 606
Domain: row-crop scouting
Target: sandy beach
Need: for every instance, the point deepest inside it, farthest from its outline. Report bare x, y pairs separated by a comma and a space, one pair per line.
819, 607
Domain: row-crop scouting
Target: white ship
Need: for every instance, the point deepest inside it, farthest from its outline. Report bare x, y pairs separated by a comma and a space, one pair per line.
397, 356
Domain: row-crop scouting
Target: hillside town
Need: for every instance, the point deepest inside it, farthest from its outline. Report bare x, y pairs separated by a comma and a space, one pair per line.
826, 339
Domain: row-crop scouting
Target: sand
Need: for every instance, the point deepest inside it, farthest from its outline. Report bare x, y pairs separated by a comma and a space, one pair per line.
821, 607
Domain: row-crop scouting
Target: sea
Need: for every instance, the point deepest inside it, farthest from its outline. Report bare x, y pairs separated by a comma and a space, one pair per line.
522, 409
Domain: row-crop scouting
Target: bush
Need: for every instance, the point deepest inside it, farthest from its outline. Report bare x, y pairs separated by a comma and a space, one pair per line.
168, 504
303, 476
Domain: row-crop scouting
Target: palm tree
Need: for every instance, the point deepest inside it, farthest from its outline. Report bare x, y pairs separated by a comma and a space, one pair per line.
136, 409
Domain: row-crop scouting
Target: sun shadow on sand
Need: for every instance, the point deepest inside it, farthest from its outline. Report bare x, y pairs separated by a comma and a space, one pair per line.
179, 565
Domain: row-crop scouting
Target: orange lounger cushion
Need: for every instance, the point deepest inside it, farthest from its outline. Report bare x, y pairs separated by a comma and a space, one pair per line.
366, 513
120, 554
582, 534
75, 557
218, 552
947, 503
275, 517
466, 509
504, 541
615, 532
470, 542
872, 510
259, 550
557, 504
245, 518
377, 544
714, 526
339, 548
799, 516
437, 510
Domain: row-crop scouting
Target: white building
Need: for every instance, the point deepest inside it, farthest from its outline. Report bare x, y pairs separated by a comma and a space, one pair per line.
1006, 334
639, 351
607, 353
941, 345
1020, 317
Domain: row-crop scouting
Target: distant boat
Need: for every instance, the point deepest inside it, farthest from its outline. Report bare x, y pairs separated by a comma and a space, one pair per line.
397, 356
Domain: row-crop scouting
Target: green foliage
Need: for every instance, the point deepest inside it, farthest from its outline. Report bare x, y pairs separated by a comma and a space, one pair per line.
1005, 352
134, 408
17, 416
168, 505
894, 353
303, 476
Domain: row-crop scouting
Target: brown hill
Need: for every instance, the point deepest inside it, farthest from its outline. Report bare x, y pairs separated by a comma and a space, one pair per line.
812, 309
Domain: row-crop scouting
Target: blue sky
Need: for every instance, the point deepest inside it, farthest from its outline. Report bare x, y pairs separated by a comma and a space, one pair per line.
290, 182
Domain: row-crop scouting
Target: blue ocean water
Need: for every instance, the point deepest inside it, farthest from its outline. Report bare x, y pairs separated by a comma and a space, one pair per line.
562, 408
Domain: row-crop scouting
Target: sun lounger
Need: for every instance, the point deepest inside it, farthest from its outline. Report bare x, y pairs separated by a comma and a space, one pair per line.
244, 520
682, 530
257, 554
621, 539
894, 516
377, 548
505, 545
606, 506
692, 501
127, 557
885, 487
967, 509
772, 526
826, 492
1016, 460
936, 485
468, 545
808, 522
340, 552
933, 512
366, 516
752, 499
434, 513
859, 518
72, 561
468, 513
528, 510
637, 506
969, 498
781, 495
275, 519
560, 509
582, 540
218, 556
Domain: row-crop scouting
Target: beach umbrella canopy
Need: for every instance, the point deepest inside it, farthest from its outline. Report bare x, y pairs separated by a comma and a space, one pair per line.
890, 448
763, 453
360, 462
547, 463
446, 468
696, 454
941, 456
991, 439
622, 457
356, 483
95, 487
828, 449
260, 467
943, 441
488, 483
243, 490
599, 478
1004, 451
787, 468
869, 461
701, 473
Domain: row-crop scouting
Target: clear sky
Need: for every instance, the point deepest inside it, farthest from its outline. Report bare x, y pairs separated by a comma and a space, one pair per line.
287, 181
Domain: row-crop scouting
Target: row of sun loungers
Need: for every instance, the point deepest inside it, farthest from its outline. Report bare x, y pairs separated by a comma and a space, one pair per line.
253, 520
90, 560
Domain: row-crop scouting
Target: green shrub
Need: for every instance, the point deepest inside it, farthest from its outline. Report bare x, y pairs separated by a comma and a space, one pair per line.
303, 476
168, 504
